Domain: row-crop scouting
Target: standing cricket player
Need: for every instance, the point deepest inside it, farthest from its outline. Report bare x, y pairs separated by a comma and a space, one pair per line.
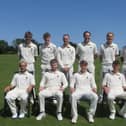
108, 53
66, 57
47, 52
53, 83
114, 85
28, 51
87, 50
83, 86
21, 85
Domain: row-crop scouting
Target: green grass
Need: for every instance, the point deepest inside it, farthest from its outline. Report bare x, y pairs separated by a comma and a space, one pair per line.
9, 64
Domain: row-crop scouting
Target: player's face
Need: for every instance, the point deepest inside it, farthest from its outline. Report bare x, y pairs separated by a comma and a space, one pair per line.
54, 66
66, 40
23, 67
47, 40
83, 67
28, 39
116, 67
87, 37
109, 38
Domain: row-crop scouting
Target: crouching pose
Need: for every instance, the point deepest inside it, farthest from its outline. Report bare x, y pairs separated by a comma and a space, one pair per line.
21, 85
83, 86
53, 83
114, 85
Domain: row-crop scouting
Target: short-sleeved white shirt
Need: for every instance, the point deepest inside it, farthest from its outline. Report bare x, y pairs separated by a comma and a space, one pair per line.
53, 80
86, 51
28, 52
83, 81
23, 80
108, 53
115, 81
66, 56
123, 54
47, 53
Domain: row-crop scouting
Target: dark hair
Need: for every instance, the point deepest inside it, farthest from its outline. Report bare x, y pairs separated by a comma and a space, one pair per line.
46, 35
86, 32
83, 62
28, 33
66, 35
116, 62
110, 33
53, 61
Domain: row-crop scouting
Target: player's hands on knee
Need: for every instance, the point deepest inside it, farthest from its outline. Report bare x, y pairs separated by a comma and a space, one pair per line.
106, 90
94, 90
61, 89
41, 88
72, 90
8, 88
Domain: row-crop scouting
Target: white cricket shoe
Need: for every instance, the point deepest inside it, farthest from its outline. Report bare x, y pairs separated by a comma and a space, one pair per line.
14, 116
59, 116
22, 115
74, 120
90, 118
112, 116
40, 116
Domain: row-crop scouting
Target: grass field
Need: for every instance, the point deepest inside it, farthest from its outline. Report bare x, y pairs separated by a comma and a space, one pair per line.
9, 64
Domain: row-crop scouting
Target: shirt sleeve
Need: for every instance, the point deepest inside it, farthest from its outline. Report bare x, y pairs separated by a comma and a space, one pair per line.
55, 51
117, 50
95, 49
123, 81
36, 51
72, 58
59, 59
93, 83
43, 81
32, 80
64, 81
14, 81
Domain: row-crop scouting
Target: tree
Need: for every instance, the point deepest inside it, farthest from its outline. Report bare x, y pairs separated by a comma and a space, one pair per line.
3, 46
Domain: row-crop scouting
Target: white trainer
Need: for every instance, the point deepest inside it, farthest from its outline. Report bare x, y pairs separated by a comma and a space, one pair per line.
59, 116
90, 118
22, 115
14, 116
74, 120
40, 116
112, 116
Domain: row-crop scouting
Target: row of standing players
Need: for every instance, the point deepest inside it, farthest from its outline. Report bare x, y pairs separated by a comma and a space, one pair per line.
86, 52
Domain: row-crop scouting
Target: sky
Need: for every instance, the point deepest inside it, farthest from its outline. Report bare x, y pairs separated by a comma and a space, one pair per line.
63, 16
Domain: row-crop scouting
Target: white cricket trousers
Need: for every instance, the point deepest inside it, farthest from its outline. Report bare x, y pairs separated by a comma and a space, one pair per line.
83, 94
112, 95
49, 92
14, 94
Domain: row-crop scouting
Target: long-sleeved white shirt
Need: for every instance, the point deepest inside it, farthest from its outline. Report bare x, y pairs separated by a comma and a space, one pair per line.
47, 53
86, 51
83, 81
66, 56
28, 52
108, 53
23, 80
115, 81
54, 80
